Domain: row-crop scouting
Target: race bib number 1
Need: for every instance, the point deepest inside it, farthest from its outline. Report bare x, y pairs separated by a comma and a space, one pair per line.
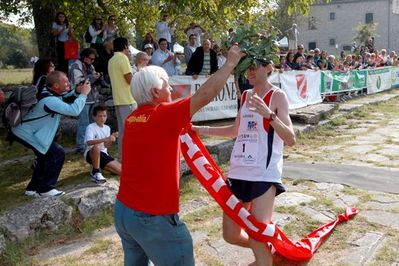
246, 149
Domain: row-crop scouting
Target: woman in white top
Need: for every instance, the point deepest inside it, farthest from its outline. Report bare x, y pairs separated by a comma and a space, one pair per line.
164, 58
111, 30
96, 30
61, 31
262, 127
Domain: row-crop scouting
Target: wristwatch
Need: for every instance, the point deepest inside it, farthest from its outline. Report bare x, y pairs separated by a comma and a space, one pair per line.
271, 117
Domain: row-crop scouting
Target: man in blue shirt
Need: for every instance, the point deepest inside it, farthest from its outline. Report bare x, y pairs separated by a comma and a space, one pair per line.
40, 125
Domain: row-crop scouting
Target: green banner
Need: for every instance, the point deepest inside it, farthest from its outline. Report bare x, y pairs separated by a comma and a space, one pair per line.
337, 82
359, 79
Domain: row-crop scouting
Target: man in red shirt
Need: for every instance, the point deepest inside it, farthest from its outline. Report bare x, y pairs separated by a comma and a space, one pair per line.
148, 200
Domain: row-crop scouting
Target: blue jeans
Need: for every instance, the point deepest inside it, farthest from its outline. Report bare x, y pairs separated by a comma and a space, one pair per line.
163, 239
84, 120
48, 167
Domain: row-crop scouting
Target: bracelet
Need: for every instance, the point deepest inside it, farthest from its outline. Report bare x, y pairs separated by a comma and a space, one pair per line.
204, 130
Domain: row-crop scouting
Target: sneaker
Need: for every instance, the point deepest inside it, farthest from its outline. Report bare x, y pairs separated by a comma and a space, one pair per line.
31, 193
52, 193
98, 178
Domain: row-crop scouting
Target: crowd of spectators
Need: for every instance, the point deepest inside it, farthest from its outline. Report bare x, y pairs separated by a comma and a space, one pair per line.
315, 59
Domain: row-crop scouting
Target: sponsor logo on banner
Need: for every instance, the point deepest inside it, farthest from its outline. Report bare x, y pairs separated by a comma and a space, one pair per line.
378, 83
301, 85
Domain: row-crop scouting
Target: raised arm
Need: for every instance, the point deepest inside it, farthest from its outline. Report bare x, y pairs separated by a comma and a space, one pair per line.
215, 83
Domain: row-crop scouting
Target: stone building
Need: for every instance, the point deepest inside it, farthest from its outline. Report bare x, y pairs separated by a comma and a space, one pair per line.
331, 26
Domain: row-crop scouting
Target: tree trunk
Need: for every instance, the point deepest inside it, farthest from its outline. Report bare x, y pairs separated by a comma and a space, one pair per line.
43, 17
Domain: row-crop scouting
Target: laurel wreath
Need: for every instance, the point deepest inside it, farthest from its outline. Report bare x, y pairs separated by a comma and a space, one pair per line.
257, 44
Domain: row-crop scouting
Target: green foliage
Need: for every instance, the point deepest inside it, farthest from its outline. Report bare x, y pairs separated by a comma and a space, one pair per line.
17, 46
364, 32
216, 16
257, 44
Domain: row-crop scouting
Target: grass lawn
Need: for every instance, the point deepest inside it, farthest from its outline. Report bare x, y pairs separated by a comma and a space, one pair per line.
15, 76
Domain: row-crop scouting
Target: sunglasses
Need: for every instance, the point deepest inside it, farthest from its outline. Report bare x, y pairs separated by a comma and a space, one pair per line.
92, 58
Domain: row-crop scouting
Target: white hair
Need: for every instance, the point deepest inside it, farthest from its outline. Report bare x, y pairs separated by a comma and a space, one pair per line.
143, 81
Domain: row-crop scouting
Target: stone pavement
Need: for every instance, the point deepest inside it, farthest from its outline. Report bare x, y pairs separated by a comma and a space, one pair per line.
360, 169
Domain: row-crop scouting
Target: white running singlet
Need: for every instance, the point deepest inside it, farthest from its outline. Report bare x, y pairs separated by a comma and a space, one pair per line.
258, 151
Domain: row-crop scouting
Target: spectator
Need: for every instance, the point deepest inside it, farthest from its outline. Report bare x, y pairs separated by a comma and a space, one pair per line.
189, 49
331, 62
148, 49
300, 52
110, 29
300, 64
164, 58
316, 56
348, 63
98, 138
358, 64
342, 56
282, 66
383, 58
221, 55
96, 30
42, 68
148, 39
371, 61
142, 60
290, 60
62, 32
168, 242
262, 127
165, 31
292, 34
197, 30
120, 73
370, 43
81, 70
101, 63
310, 63
322, 62
392, 54
39, 134
203, 61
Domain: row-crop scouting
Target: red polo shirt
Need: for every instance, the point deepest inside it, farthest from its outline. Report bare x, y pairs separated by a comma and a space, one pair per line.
151, 157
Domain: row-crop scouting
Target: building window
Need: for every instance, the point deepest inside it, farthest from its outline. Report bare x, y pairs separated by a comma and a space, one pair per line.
346, 48
332, 16
332, 42
369, 17
312, 45
312, 23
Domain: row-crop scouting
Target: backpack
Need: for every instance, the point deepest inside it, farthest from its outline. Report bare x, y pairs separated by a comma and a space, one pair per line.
87, 36
21, 101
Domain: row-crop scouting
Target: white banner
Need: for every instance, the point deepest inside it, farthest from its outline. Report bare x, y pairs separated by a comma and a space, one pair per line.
301, 87
223, 106
378, 80
395, 77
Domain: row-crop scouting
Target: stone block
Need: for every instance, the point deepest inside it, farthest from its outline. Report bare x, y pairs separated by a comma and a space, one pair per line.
41, 213
363, 248
92, 199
